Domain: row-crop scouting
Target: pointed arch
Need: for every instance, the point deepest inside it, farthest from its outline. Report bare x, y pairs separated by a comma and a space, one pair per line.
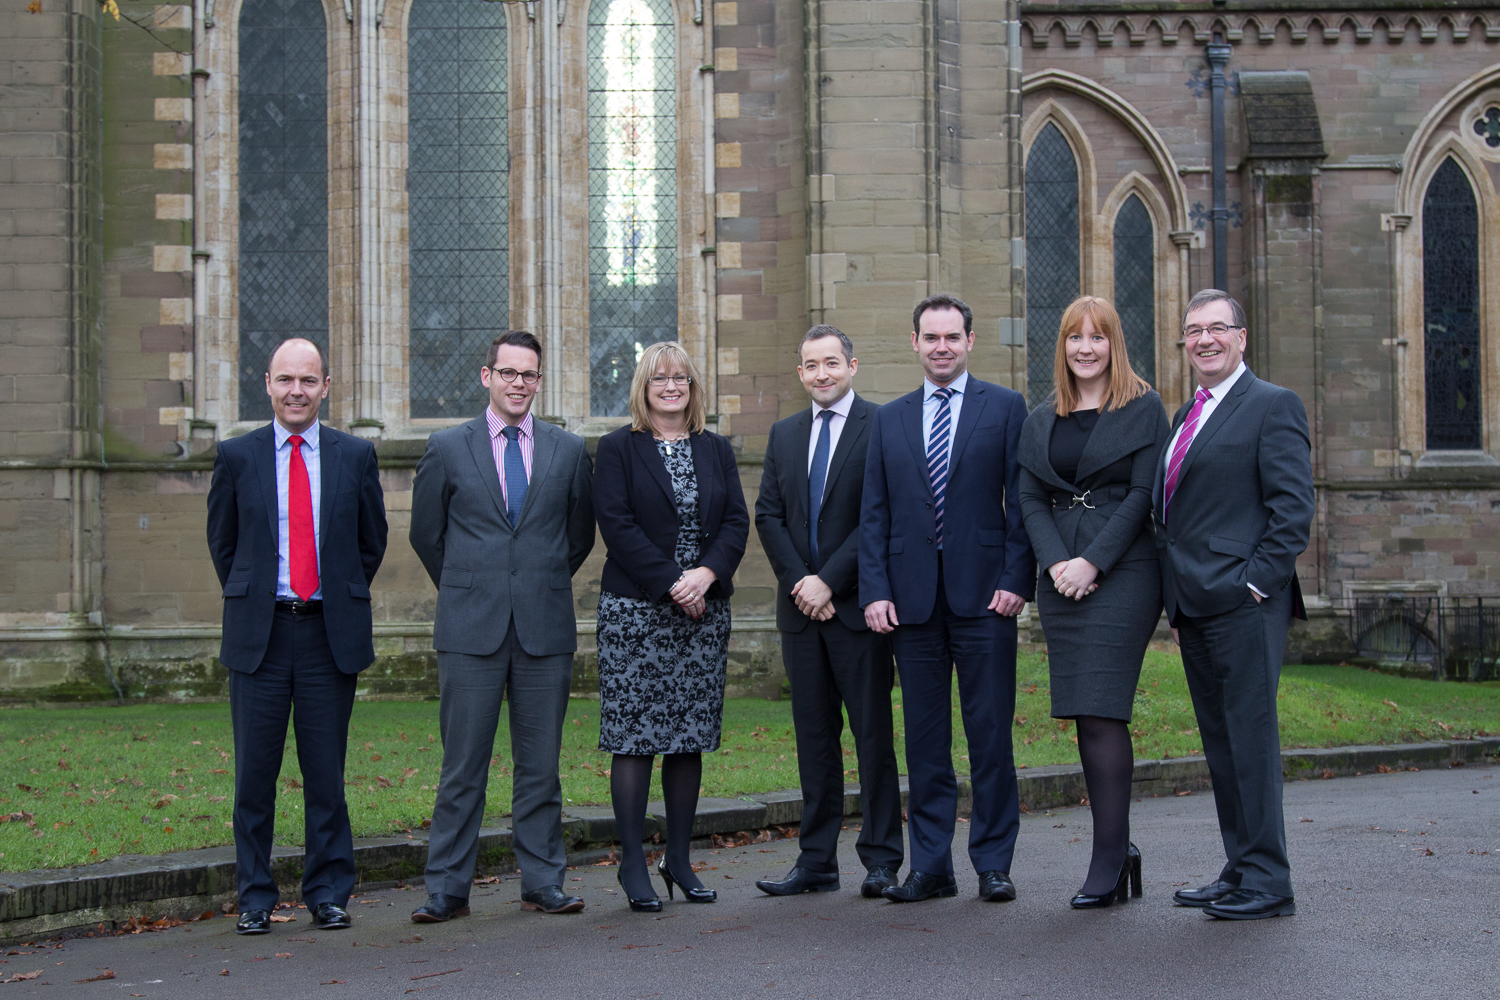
1053, 272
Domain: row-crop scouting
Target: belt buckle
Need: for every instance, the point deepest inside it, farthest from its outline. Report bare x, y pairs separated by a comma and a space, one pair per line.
1082, 500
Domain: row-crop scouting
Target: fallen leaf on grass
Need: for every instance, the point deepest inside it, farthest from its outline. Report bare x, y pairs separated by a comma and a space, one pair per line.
17, 977
283, 954
277, 918
106, 974
223, 972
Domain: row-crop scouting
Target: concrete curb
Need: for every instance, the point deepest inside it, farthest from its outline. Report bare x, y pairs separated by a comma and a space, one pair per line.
73, 900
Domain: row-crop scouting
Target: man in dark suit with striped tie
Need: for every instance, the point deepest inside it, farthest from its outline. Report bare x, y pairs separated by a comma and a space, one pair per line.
944, 567
296, 530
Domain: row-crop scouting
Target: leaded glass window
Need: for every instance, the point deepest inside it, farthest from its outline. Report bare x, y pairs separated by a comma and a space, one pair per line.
1450, 308
1051, 252
632, 100
457, 186
283, 180
1135, 285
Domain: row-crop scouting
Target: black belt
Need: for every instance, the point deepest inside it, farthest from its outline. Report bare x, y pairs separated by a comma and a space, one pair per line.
300, 607
1091, 498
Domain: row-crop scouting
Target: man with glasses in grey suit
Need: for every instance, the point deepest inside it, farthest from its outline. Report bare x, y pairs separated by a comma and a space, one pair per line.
502, 516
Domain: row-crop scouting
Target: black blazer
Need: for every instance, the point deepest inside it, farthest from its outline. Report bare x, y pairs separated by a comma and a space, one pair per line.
638, 517
1117, 470
1243, 506
242, 540
781, 513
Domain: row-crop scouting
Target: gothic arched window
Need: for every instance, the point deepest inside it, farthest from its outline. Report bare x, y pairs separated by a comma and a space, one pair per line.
1051, 252
632, 112
283, 186
1135, 285
458, 185
1450, 310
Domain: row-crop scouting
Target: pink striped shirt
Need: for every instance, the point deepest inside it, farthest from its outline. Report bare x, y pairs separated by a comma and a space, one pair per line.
527, 441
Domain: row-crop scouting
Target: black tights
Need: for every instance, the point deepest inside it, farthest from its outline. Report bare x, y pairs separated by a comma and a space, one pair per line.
1108, 765
629, 787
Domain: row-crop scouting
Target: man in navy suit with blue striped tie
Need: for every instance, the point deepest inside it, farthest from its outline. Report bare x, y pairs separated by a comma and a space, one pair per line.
944, 567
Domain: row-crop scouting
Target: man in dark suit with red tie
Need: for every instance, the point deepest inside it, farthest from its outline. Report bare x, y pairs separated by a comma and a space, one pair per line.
296, 530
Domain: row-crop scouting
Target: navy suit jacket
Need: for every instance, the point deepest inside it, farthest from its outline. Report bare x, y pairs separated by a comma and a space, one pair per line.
985, 547
242, 540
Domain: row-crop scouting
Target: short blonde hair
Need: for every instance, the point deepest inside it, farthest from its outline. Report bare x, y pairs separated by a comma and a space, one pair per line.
1124, 384
668, 354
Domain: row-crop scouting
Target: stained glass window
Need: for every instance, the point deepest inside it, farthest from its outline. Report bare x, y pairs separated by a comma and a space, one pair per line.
1450, 308
283, 179
1135, 285
457, 184
632, 100
1051, 252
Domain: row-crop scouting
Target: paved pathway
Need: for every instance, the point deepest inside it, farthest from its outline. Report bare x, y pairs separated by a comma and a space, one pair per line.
1398, 892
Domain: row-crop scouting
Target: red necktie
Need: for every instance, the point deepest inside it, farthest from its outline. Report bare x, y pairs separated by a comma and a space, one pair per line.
302, 545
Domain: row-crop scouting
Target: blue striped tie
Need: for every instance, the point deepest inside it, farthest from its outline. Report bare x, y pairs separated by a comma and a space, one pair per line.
937, 458
515, 474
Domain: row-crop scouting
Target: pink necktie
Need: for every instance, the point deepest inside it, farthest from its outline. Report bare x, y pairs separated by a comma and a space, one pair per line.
302, 547
1184, 441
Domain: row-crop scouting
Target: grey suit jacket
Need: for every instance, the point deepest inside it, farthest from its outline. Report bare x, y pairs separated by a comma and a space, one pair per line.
1243, 506
489, 574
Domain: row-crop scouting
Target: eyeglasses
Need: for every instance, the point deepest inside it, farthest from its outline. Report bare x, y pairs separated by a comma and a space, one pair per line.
509, 375
1215, 330
675, 379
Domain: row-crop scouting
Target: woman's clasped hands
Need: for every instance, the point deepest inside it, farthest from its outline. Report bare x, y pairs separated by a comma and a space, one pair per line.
691, 588
1074, 577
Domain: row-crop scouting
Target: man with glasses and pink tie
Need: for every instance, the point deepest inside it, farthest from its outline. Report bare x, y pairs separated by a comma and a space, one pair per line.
1233, 504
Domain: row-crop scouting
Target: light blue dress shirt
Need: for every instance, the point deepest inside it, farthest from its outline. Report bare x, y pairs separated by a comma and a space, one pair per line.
284, 591
930, 405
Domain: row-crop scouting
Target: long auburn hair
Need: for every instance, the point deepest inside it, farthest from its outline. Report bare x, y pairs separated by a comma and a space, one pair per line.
1124, 384
666, 355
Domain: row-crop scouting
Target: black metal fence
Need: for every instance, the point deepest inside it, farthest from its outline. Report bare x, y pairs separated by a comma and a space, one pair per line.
1457, 638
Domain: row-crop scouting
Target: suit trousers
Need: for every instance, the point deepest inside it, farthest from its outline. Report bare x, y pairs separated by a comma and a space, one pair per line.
298, 673
471, 689
832, 667
1233, 666
983, 652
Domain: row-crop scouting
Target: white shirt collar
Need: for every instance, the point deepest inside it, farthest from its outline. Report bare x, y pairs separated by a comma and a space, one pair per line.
957, 385
842, 407
1221, 390
309, 436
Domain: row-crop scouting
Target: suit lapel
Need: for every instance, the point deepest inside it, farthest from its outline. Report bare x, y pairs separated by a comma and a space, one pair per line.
968, 418
911, 419
543, 449
265, 471
801, 450
704, 472
1216, 420
855, 428
329, 461
645, 448
484, 463
1158, 489
1036, 440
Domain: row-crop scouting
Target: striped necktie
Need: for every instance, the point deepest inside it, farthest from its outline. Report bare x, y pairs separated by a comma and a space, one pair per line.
515, 474
937, 458
1180, 450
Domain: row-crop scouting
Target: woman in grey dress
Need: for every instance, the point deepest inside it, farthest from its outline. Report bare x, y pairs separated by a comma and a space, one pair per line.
672, 515
1088, 459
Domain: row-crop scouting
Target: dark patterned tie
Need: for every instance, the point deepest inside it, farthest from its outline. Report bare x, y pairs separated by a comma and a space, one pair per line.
515, 474
817, 477
937, 458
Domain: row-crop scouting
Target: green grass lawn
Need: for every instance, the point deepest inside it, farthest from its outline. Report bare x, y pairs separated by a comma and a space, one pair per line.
83, 784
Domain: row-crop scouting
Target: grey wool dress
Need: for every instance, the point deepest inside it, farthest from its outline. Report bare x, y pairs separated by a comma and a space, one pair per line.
661, 673
1100, 510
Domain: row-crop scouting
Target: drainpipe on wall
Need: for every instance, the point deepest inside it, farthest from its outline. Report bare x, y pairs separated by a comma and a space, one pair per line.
1218, 58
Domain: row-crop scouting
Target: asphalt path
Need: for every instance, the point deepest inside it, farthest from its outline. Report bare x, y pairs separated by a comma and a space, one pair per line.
1398, 894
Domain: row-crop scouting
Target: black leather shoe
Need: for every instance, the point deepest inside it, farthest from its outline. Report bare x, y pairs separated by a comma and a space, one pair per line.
919, 886
1251, 904
689, 893
800, 880
440, 908
877, 880
550, 899
253, 922
996, 887
330, 917
1203, 895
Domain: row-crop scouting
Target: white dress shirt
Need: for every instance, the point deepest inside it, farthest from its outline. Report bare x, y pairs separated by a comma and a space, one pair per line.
835, 426
1215, 394
930, 406
284, 591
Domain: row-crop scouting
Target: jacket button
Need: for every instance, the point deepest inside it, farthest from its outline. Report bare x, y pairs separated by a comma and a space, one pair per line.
929, 540
928, 505
514, 572
1171, 541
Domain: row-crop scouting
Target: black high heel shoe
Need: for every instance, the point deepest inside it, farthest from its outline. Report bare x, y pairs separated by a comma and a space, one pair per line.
651, 905
699, 895
1129, 884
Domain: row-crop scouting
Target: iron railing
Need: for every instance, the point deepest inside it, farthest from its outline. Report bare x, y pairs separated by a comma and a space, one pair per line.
1457, 638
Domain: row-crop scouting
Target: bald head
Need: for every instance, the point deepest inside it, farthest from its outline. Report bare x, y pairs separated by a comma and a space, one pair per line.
296, 343
297, 382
